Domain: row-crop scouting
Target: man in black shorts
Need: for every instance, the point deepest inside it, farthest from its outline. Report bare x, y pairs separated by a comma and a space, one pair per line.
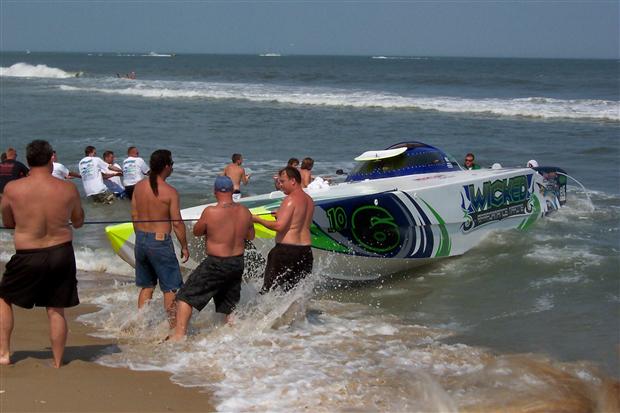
225, 227
42, 271
291, 259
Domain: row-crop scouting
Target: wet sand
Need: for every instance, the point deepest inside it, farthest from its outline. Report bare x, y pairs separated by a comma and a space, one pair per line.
30, 384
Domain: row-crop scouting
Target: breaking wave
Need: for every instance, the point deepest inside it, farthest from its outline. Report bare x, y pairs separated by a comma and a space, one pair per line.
532, 107
26, 70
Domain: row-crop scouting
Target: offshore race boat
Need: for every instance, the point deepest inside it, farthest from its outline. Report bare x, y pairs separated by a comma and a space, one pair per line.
400, 208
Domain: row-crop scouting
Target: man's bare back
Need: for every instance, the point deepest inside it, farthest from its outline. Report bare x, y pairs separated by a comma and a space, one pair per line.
161, 209
226, 227
237, 174
40, 207
306, 177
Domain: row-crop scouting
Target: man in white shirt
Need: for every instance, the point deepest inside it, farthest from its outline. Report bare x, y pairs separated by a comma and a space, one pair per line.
93, 170
114, 183
60, 171
134, 170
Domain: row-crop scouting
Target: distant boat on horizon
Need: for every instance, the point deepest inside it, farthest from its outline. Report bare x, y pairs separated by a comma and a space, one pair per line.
154, 54
270, 54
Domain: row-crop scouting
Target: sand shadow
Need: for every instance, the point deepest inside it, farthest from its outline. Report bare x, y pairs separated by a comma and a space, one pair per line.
88, 353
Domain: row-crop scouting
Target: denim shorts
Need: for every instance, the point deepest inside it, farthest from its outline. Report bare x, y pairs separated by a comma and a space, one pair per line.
156, 260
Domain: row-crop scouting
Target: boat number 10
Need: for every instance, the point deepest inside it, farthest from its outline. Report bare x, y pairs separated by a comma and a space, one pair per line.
337, 218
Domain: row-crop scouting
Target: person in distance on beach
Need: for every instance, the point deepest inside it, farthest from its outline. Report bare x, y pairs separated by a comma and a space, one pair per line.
225, 227
291, 259
134, 170
235, 171
42, 272
155, 212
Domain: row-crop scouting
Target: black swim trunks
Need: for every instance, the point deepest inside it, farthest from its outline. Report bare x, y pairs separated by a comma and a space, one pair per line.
43, 277
287, 265
217, 278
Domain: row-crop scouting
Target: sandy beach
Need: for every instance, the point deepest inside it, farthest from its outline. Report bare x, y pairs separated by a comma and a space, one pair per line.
31, 385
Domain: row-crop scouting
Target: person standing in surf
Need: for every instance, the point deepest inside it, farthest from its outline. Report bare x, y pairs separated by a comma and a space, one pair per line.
60, 171
235, 171
226, 226
42, 272
134, 170
114, 184
155, 212
306, 172
291, 259
93, 171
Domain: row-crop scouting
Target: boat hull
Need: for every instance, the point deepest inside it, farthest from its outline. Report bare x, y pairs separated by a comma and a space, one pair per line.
369, 229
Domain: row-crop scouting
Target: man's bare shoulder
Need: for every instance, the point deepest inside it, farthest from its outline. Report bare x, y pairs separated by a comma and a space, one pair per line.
143, 183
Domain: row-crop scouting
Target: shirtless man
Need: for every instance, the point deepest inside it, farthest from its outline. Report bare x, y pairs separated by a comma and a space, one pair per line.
155, 212
225, 227
235, 172
291, 259
42, 271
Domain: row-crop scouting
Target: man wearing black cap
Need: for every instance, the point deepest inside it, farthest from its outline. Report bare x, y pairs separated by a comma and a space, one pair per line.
225, 227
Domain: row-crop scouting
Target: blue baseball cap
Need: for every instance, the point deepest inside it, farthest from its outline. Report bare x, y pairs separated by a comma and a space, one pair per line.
223, 184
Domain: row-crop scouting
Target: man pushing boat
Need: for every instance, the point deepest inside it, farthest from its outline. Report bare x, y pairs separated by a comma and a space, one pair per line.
291, 259
225, 227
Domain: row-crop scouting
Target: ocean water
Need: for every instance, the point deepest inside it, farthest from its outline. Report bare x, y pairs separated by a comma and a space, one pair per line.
524, 318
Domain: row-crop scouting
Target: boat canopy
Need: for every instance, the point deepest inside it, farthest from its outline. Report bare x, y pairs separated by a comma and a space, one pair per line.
416, 158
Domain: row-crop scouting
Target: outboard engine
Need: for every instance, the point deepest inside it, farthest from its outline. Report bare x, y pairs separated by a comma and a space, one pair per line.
554, 179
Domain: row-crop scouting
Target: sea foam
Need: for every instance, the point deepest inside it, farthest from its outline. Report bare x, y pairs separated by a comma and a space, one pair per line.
532, 107
26, 70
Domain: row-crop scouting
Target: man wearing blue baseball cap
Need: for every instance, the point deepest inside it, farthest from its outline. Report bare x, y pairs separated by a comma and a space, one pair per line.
225, 227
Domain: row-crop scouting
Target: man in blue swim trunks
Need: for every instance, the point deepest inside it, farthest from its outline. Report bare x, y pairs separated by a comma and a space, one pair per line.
155, 212
42, 272
225, 227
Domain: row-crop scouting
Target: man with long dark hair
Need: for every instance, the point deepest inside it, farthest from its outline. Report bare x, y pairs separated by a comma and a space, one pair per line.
42, 272
155, 212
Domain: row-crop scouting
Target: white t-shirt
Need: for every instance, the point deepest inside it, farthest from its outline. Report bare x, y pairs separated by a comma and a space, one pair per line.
60, 171
134, 170
91, 168
114, 184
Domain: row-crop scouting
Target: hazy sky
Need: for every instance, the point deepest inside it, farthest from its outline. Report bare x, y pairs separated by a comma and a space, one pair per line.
437, 28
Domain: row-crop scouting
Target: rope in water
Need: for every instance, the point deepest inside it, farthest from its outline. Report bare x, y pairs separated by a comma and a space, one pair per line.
127, 222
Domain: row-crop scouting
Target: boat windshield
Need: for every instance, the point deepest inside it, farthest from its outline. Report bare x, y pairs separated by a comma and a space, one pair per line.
408, 163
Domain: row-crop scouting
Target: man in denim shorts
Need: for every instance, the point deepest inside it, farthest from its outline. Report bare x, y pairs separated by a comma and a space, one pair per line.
155, 212
225, 226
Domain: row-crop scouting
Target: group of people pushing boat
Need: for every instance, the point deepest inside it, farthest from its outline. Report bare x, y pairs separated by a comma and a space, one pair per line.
42, 209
